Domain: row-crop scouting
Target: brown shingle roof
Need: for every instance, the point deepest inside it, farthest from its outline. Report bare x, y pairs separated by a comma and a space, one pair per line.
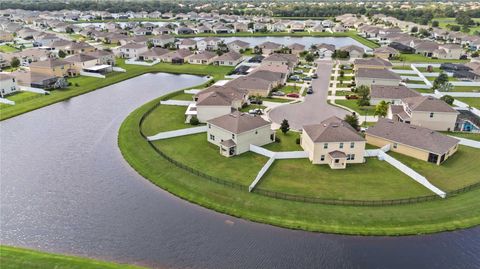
412, 135
392, 92
238, 122
427, 103
376, 73
332, 129
373, 62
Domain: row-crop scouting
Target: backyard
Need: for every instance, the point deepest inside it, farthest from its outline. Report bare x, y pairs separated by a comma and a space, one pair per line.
471, 101
353, 104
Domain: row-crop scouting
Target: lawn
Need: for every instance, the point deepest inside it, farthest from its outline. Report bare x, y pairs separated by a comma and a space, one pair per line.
352, 104
17, 258
471, 136
443, 22
402, 67
21, 97
434, 70
290, 89
456, 172
7, 49
183, 97
196, 152
287, 142
425, 217
276, 100
165, 118
373, 180
418, 58
471, 101
343, 93
466, 89
87, 84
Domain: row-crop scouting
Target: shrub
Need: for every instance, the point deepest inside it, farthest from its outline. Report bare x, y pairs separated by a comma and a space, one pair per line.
277, 139
76, 84
297, 140
194, 120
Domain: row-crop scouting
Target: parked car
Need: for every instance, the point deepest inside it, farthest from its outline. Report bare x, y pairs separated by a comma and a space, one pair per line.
256, 101
295, 77
310, 90
315, 76
278, 93
299, 71
307, 78
293, 95
256, 111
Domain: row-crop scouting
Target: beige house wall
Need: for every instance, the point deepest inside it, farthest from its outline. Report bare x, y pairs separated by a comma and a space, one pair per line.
205, 113
441, 121
372, 81
316, 150
59, 71
80, 65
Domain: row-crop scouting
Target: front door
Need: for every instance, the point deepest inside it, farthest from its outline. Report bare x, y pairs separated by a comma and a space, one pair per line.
432, 158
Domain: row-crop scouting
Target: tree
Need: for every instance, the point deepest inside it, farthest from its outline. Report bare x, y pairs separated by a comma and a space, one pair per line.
364, 93
414, 29
381, 109
285, 127
440, 81
15, 62
149, 44
447, 99
194, 120
352, 120
309, 57
61, 54
435, 23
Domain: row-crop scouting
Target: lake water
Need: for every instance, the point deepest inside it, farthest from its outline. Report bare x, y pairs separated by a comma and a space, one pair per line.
66, 188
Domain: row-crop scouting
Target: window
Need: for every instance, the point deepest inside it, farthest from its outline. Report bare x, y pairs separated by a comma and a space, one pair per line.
256, 131
431, 114
322, 158
233, 136
212, 137
350, 157
209, 126
341, 145
395, 145
325, 145
352, 145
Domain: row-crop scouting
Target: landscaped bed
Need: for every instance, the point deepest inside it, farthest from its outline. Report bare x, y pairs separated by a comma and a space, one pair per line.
423, 217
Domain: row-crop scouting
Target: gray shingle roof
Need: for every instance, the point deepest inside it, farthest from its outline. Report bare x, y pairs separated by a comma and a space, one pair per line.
412, 135
376, 73
239, 122
392, 92
332, 129
427, 103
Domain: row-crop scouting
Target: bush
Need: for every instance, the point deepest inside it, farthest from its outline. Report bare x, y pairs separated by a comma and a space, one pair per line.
194, 120
297, 140
76, 84
277, 139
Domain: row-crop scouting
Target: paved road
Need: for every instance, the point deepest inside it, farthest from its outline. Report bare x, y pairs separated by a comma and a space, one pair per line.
315, 107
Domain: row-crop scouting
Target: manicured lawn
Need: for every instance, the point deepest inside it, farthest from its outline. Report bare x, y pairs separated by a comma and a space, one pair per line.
21, 97
471, 136
368, 110
291, 89
274, 99
7, 49
196, 152
456, 172
434, 69
287, 142
87, 84
402, 67
342, 93
183, 96
466, 89
443, 22
427, 217
165, 118
373, 180
418, 58
415, 82
471, 101
19, 258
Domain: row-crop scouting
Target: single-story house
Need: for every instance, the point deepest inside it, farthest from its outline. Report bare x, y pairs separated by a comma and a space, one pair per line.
254, 86
268, 47
333, 142
177, 56
411, 140
390, 94
231, 58
187, 43
238, 45
203, 57
153, 54
374, 63
235, 132
386, 52
353, 51
369, 77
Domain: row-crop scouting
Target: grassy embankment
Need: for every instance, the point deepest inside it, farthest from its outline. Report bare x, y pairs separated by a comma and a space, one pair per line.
20, 258
81, 85
456, 212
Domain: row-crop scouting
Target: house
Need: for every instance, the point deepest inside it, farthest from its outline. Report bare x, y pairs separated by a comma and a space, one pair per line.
369, 77
467, 121
36, 80
53, 68
178, 56
268, 47
253, 85
132, 50
187, 43
203, 57
80, 61
29, 55
424, 47
353, 51
414, 141
448, 51
385, 52
425, 111
390, 94
8, 84
325, 50
235, 132
153, 54
6, 36
184, 31
162, 40
231, 58
279, 27
209, 43
103, 57
281, 58
238, 46
372, 63
276, 78
339, 28
333, 142
297, 26
240, 27
217, 101
296, 48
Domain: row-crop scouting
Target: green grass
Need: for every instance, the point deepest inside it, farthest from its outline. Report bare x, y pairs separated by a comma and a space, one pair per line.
373, 180
276, 100
418, 58
434, 70
19, 258
7, 49
415, 82
291, 89
457, 212
87, 84
183, 97
343, 93
287, 142
443, 22
21, 97
402, 67
352, 104
165, 118
466, 89
458, 171
471, 136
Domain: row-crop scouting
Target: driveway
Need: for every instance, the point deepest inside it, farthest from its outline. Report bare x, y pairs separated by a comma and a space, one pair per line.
315, 107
